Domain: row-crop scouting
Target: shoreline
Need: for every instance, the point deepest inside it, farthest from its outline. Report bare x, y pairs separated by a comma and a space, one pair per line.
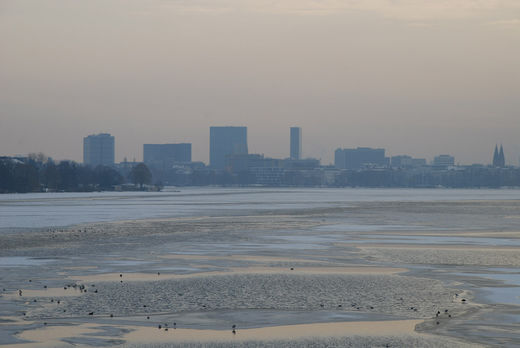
233, 268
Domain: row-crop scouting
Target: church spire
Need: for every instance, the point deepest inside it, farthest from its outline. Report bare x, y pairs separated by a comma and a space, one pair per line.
501, 158
495, 157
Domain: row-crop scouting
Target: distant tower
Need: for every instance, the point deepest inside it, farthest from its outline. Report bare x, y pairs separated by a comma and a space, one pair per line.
495, 157
501, 158
296, 143
98, 150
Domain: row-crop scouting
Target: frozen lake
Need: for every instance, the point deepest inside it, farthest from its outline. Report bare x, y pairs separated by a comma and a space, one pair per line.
37, 210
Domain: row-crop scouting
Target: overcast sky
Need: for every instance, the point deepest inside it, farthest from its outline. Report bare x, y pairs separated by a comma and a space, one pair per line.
416, 77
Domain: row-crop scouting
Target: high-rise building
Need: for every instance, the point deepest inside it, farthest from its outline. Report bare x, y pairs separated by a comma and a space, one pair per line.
359, 158
226, 141
296, 143
98, 149
166, 154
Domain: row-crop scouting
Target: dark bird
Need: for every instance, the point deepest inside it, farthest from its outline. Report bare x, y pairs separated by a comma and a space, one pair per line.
91, 313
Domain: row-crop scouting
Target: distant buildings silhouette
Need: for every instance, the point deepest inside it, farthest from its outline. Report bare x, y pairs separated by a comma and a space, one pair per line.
224, 142
443, 161
232, 164
164, 155
498, 157
296, 143
98, 149
359, 158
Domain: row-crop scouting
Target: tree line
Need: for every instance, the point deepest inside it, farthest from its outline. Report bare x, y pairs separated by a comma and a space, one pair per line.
36, 173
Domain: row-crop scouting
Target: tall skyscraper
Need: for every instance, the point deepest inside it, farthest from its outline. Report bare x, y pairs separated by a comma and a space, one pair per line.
98, 149
226, 141
166, 154
296, 143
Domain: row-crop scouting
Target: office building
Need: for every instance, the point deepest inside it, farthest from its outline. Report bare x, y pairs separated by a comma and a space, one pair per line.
98, 150
359, 158
244, 162
224, 142
443, 161
166, 154
296, 143
405, 161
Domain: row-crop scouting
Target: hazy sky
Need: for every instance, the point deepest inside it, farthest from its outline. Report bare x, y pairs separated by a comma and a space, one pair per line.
417, 77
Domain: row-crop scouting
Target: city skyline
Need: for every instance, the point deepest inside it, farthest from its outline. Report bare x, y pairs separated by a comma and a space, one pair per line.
295, 133
229, 141
416, 77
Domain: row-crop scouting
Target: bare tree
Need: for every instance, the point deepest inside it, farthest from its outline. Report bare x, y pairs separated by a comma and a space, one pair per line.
140, 175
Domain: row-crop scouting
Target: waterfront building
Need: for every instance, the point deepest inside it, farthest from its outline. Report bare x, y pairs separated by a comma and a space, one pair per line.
404, 161
224, 142
443, 161
359, 158
166, 155
99, 149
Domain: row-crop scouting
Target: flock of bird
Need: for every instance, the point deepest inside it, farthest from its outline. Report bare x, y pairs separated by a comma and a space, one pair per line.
164, 326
